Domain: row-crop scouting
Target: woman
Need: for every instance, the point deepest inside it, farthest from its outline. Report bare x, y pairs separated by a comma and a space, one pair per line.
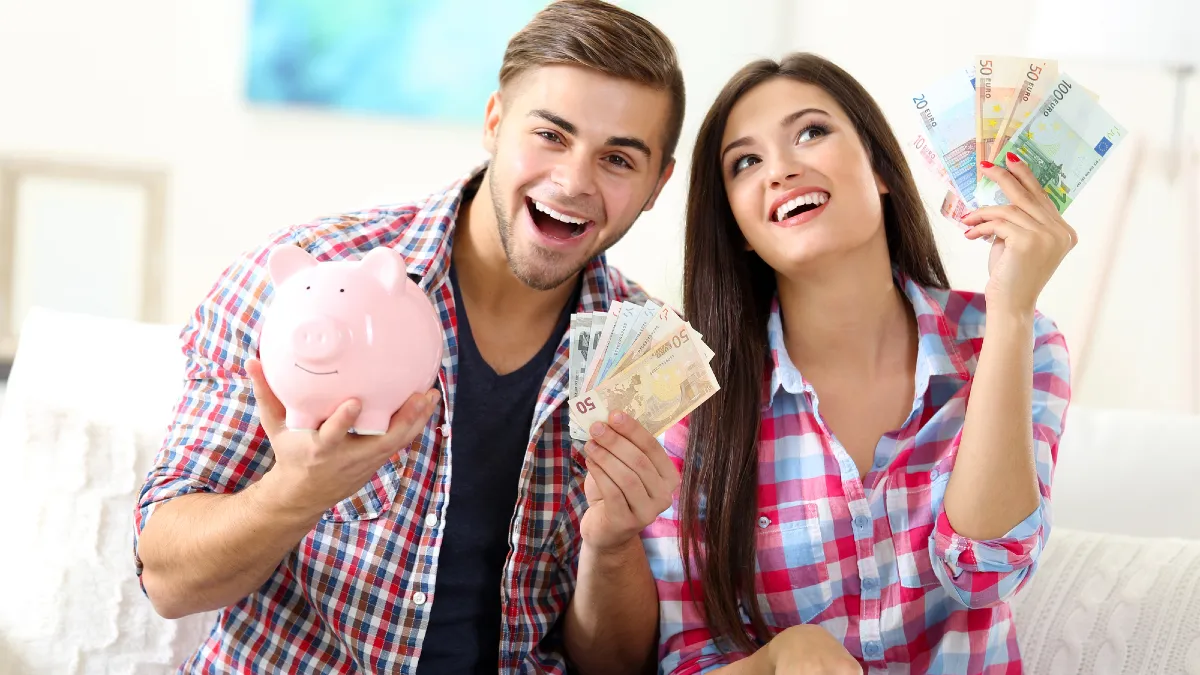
871, 484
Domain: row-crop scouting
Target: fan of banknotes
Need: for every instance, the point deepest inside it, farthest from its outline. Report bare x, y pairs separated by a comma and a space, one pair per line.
643, 360
1014, 104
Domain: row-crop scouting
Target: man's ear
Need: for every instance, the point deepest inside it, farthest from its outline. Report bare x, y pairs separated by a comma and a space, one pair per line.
662, 180
491, 122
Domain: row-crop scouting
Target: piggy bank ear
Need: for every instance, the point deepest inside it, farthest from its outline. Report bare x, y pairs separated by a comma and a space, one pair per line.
387, 266
286, 260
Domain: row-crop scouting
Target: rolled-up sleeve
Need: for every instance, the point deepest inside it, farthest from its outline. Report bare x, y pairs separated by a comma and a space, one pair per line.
215, 443
984, 573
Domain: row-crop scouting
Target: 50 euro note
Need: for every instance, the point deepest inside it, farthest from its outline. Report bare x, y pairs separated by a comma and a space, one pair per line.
657, 390
998, 79
1064, 143
1029, 93
947, 111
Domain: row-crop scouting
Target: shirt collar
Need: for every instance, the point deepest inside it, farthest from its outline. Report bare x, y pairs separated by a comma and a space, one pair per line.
938, 351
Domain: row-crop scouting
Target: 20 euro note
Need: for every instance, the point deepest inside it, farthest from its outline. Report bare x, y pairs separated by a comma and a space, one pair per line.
657, 390
1064, 143
947, 110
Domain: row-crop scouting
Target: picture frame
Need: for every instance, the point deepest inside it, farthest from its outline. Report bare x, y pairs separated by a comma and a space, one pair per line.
79, 236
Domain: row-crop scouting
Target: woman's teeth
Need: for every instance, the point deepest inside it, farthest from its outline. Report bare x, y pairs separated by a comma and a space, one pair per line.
812, 198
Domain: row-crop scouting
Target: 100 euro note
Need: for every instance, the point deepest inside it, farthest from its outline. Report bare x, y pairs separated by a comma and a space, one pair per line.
947, 110
1064, 143
997, 82
657, 390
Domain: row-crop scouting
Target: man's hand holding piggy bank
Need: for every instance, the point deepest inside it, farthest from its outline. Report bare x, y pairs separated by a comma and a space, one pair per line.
346, 346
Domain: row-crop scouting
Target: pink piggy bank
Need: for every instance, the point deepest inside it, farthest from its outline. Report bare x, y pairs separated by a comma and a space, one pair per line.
347, 329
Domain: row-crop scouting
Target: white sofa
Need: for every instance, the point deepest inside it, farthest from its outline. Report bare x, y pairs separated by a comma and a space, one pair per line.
89, 399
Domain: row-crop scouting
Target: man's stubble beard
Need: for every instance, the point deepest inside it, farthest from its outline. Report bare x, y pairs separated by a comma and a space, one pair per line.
517, 265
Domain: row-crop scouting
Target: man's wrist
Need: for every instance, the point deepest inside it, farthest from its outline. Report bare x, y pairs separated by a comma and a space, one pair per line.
269, 495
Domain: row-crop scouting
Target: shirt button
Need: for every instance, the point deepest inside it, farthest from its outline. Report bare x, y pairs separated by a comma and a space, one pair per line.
445, 429
430, 520
872, 649
418, 598
764, 521
868, 584
861, 522
880, 462
933, 475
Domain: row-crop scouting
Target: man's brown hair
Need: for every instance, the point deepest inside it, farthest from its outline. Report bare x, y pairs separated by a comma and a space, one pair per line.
605, 38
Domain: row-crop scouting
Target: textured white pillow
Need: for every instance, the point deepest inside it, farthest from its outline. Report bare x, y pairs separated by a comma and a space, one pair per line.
1112, 604
87, 406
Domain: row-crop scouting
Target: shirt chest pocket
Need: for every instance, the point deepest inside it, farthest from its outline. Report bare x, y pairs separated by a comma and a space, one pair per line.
910, 516
793, 575
380, 492
371, 500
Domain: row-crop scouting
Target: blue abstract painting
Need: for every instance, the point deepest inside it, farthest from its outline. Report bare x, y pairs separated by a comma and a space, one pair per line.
431, 59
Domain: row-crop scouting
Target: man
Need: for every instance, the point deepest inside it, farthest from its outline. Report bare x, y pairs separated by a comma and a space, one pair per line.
462, 540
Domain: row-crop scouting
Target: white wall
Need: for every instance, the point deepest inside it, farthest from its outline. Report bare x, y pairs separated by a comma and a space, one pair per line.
159, 83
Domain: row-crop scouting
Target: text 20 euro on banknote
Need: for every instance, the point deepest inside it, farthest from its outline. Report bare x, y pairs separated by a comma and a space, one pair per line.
1064, 142
947, 110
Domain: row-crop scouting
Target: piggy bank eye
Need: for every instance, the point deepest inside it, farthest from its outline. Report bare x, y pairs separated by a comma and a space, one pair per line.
308, 288
341, 290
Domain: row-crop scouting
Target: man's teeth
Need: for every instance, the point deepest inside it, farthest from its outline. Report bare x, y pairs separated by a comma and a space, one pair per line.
817, 198
570, 220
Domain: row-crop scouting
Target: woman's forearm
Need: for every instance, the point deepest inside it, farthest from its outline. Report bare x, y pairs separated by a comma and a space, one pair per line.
994, 484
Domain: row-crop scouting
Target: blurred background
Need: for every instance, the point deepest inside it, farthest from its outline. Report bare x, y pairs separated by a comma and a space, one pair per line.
144, 143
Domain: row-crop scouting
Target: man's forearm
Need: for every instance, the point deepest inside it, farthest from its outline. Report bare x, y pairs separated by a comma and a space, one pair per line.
612, 621
202, 552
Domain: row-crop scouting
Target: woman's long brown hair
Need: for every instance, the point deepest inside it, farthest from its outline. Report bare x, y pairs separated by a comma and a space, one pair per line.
727, 297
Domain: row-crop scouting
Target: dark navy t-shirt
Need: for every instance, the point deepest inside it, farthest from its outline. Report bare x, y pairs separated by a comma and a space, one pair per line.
488, 438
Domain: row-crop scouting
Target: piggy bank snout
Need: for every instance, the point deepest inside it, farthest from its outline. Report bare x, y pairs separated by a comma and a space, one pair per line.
317, 339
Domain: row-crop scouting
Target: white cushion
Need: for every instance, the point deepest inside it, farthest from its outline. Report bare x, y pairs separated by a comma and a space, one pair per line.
1128, 472
87, 406
1106, 603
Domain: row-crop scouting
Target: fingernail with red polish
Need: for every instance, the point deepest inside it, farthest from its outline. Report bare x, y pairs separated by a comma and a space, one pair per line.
1012, 157
986, 164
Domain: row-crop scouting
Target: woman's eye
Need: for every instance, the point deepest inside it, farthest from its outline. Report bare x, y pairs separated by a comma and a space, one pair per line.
744, 163
810, 133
